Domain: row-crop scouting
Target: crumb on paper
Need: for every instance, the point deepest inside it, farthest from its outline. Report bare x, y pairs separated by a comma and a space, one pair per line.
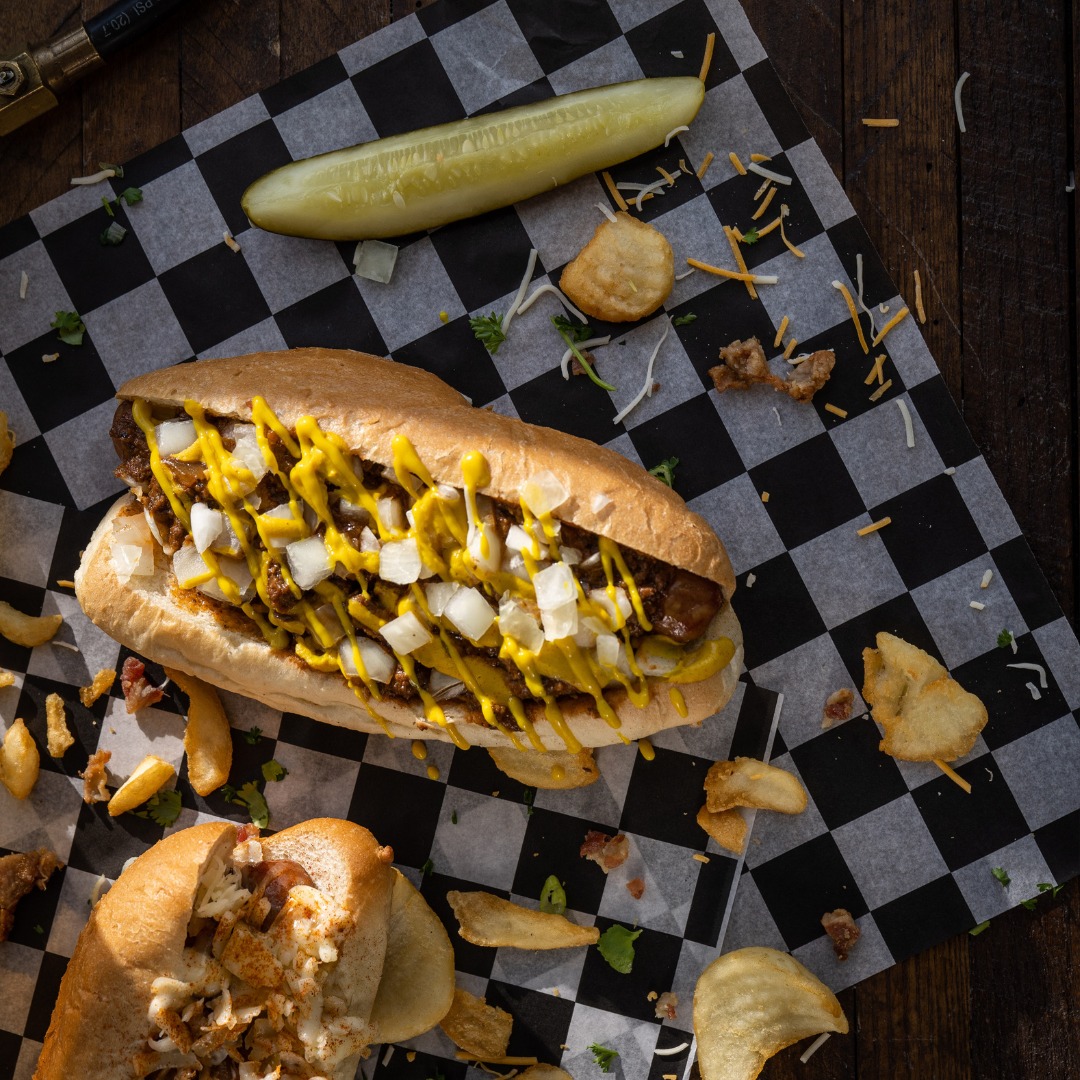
666, 1005
744, 365
94, 777
838, 707
102, 684
636, 888
19, 873
59, 737
842, 931
608, 852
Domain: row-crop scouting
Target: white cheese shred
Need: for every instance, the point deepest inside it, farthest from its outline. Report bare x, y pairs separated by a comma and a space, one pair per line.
93, 178
862, 302
977, 605
64, 645
754, 167
549, 288
24, 282
606, 212
986, 579
776, 412
674, 131
951, 470
670, 1051
1035, 695
814, 1047
230, 243
388, 1055
592, 343
647, 386
513, 309
750, 579
956, 100
909, 431
686, 273
1033, 667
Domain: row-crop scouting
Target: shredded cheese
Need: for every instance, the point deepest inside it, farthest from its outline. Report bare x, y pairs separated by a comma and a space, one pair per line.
1033, 667
953, 775
750, 579
388, 1055
766, 229
48, 358
836, 410
666, 175
909, 431
462, 1055
813, 1048
670, 1051
761, 190
792, 342
787, 243
734, 275
512, 310
703, 168
620, 202
765, 202
706, 63
776, 412
780, 333
24, 281
93, 178
65, 583
986, 579
919, 309
673, 132
740, 168
866, 530
875, 371
951, 471
684, 168
843, 290
592, 343
740, 262
862, 302
883, 388
230, 243
647, 387
880, 122
700, 858
956, 100
547, 287
897, 318
977, 605
759, 158
648, 191
754, 167
1035, 695
764, 496
605, 211
685, 274
64, 645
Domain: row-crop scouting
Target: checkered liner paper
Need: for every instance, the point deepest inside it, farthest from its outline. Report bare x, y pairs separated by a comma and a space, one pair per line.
898, 844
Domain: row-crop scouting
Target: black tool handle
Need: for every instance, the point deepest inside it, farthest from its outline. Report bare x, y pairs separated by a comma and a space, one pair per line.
126, 20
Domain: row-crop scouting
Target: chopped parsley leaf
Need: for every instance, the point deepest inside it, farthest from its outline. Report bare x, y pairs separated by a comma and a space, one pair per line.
750, 236
427, 868
131, 195
576, 331
1050, 887
250, 797
252, 736
488, 330
113, 235
108, 205
975, 931
603, 1056
69, 327
553, 896
1030, 903
453, 817
566, 328
163, 808
527, 798
1004, 639
273, 770
665, 471
39, 929
683, 320
616, 946
118, 170
1002, 876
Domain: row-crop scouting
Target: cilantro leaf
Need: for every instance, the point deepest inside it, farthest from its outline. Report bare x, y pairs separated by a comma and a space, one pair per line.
603, 1056
751, 236
566, 329
616, 946
1004, 639
69, 327
1002, 876
118, 170
665, 470
113, 235
975, 931
488, 330
39, 929
1050, 887
453, 817
527, 798
576, 331
252, 736
108, 205
273, 770
427, 868
252, 799
163, 808
553, 896
1029, 903
131, 195
683, 320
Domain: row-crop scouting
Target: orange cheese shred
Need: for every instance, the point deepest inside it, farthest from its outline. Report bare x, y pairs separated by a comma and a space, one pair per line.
881, 390
866, 530
843, 290
790, 348
780, 332
764, 205
875, 371
706, 62
741, 262
739, 167
919, 309
703, 168
720, 271
897, 318
953, 775
880, 122
616, 194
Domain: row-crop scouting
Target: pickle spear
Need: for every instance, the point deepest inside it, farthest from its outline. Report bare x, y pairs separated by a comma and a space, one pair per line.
436, 175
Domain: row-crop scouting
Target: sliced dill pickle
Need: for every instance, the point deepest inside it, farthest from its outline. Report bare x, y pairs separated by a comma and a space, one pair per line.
436, 175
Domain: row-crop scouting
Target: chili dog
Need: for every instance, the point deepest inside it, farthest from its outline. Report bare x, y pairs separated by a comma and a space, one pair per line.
347, 538
220, 954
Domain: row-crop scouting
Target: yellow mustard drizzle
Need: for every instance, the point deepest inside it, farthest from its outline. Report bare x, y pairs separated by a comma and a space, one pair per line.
677, 700
441, 525
646, 749
419, 749
433, 772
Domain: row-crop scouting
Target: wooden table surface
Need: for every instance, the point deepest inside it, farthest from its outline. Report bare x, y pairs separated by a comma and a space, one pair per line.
984, 217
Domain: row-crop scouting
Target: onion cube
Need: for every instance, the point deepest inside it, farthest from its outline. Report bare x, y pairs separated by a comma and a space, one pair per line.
517, 539
375, 260
206, 525
405, 633
555, 586
379, 665
368, 540
515, 622
189, 568
470, 613
544, 492
400, 562
560, 622
391, 514
438, 594
607, 649
352, 511
444, 686
174, 436
132, 560
279, 527
247, 452
485, 547
309, 562
589, 629
617, 610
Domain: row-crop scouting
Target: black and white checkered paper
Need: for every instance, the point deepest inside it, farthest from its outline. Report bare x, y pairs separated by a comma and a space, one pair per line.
898, 844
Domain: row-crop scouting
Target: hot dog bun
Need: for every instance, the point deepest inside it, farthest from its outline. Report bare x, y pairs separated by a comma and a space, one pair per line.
136, 934
367, 401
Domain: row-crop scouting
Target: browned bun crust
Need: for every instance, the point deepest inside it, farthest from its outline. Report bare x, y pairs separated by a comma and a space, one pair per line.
135, 934
180, 629
367, 400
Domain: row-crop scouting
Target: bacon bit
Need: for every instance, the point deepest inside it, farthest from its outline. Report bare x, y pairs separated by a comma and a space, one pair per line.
94, 778
764, 496
616, 194
882, 122
139, 692
839, 706
19, 873
843, 931
883, 388
247, 832
765, 204
102, 684
703, 168
608, 852
780, 332
866, 530
744, 365
876, 371
740, 168
636, 888
666, 1005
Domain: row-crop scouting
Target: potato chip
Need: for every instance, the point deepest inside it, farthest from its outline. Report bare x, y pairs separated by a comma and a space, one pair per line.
59, 737
7, 442
102, 684
489, 920
543, 1072
554, 770
207, 738
7, 678
418, 954
27, 630
623, 273
149, 777
20, 761
726, 827
749, 782
925, 715
750, 1004
481, 1030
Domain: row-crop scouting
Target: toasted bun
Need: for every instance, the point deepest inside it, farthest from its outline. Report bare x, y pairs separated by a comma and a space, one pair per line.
137, 932
181, 629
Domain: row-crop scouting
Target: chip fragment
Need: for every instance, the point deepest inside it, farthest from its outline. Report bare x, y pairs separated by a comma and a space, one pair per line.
491, 921
27, 630
59, 738
553, 770
749, 782
726, 827
481, 1030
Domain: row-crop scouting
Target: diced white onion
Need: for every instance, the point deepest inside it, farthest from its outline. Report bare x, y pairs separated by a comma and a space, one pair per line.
400, 562
378, 664
515, 565
172, 436
544, 492
438, 595
654, 664
368, 540
405, 633
517, 539
206, 525
391, 513
607, 649
247, 451
375, 260
188, 566
555, 586
326, 614
448, 493
352, 511
309, 562
130, 560
281, 513
134, 529
470, 613
617, 609
589, 629
560, 622
485, 547
570, 555
443, 687
599, 503
517, 623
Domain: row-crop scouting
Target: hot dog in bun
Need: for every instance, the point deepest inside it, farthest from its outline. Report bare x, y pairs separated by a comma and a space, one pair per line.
346, 537
220, 954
